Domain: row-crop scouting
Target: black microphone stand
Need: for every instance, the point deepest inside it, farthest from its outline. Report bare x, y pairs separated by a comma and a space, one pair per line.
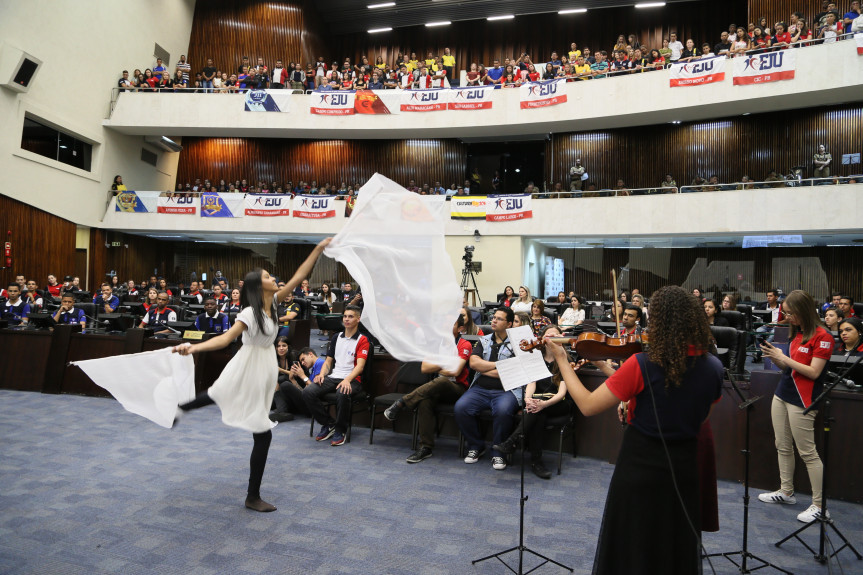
745, 405
521, 547
823, 520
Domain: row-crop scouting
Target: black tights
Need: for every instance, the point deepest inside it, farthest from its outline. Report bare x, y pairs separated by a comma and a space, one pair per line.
260, 449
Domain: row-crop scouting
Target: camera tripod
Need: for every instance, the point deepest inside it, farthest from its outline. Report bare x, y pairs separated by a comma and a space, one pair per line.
468, 280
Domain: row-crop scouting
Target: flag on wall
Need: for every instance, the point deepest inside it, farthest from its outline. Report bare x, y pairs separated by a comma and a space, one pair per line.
471, 98
221, 205
267, 100
542, 94
178, 205
697, 72
314, 207
763, 68
140, 202
267, 205
467, 207
508, 207
370, 102
340, 103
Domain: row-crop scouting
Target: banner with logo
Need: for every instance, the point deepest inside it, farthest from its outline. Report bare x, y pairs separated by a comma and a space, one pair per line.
467, 207
267, 100
542, 94
267, 205
137, 202
859, 39
508, 207
178, 205
433, 100
471, 98
698, 72
763, 68
372, 102
221, 205
329, 103
314, 207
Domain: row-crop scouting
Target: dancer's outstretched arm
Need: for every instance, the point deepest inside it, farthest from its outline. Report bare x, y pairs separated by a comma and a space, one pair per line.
303, 271
213, 344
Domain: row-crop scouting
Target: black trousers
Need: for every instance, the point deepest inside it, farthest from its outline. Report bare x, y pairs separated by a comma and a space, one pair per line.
260, 449
289, 397
533, 427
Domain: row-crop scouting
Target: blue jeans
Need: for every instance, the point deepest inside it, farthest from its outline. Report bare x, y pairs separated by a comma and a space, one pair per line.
503, 405
207, 85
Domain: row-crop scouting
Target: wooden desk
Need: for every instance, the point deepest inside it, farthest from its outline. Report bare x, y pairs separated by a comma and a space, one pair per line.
22, 359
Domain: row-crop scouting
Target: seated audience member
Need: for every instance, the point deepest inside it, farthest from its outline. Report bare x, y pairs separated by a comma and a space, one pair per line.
16, 310
53, 287
219, 295
690, 52
106, 302
629, 322
212, 320
524, 302
288, 388
729, 302
151, 299
850, 336
466, 324
521, 318
537, 320
303, 290
195, 291
289, 399
486, 392
833, 301
543, 399
158, 317
846, 304
67, 313
288, 310
131, 293
616, 311
346, 357
572, 316
832, 318
638, 300
448, 387
351, 297
713, 317
33, 295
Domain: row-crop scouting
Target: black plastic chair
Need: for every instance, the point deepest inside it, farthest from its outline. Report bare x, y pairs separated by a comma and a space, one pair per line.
566, 425
356, 400
726, 344
409, 376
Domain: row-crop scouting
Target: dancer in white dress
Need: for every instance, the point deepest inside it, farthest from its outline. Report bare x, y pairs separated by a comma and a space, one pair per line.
244, 390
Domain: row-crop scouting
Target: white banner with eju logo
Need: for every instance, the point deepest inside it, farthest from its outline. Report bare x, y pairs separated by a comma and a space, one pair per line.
267, 205
542, 94
763, 68
472, 98
314, 207
508, 207
697, 72
432, 100
178, 205
329, 103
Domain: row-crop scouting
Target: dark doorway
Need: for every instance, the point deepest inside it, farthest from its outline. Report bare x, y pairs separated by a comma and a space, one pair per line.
81, 266
517, 164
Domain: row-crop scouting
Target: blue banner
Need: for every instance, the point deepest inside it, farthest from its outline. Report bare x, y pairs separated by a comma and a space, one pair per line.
131, 202
213, 206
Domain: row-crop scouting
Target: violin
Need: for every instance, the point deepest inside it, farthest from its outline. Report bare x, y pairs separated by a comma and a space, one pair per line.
594, 346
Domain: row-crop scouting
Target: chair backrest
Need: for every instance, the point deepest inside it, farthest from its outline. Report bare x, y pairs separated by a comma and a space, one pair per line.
499, 297
736, 319
550, 313
858, 309
477, 313
410, 374
746, 310
305, 307
726, 337
89, 309
486, 328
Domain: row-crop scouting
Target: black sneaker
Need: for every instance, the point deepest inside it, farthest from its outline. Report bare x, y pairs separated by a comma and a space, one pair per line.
473, 455
419, 455
281, 416
509, 445
393, 411
539, 470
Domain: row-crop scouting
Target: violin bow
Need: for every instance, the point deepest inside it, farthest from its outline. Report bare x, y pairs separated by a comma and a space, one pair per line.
614, 302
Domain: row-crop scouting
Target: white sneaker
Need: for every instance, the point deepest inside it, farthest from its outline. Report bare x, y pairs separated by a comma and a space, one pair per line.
811, 514
778, 497
473, 455
498, 463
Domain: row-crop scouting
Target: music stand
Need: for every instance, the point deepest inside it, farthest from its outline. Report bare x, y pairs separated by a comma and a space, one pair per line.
745, 554
823, 520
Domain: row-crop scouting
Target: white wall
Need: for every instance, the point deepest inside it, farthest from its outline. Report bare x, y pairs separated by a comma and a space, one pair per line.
86, 43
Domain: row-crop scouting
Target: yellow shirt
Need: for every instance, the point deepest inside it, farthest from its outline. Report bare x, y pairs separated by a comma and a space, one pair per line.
381, 66
412, 64
448, 60
574, 55
582, 70
429, 62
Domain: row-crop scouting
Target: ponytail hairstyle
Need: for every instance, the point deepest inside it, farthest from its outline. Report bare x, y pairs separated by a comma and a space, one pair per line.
251, 295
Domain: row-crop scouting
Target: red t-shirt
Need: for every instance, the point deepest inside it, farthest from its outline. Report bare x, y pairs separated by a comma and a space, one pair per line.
795, 388
54, 290
778, 38
465, 348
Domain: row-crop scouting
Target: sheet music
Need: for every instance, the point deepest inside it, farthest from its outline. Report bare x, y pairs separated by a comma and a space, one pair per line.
526, 366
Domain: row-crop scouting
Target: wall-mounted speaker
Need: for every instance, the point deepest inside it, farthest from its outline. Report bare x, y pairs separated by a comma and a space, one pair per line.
17, 69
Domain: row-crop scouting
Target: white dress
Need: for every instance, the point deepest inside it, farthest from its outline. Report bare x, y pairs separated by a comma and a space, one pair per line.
244, 391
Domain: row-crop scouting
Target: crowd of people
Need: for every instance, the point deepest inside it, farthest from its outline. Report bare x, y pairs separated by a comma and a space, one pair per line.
410, 71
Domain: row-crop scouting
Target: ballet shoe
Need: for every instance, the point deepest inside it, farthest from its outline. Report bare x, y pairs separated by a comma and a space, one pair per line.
258, 504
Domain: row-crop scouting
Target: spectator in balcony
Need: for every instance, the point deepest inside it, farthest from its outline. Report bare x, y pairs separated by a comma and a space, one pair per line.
668, 185
581, 70
376, 82
549, 73
510, 81
473, 75
821, 161
183, 67
244, 79
852, 14
494, 74
312, 81
781, 38
723, 48
690, 52
124, 83
152, 80
159, 69
656, 59
676, 48
620, 188
802, 34
207, 75
279, 76
219, 82
589, 59
448, 62
297, 77
166, 84
831, 29
665, 51
706, 52
758, 42
639, 60
600, 67
620, 44
117, 185
232, 85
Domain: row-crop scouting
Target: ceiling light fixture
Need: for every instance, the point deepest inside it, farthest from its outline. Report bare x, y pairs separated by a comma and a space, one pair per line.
381, 5
433, 24
505, 17
376, 30
573, 11
650, 5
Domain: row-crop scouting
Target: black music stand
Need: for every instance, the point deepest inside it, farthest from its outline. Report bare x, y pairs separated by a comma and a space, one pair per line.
823, 520
521, 548
746, 405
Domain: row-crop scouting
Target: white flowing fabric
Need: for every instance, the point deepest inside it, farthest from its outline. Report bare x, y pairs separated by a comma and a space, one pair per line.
393, 245
150, 384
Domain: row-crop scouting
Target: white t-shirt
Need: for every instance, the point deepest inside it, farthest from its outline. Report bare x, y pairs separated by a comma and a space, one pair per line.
676, 49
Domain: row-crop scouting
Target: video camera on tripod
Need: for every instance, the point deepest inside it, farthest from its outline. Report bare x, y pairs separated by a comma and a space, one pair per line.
469, 264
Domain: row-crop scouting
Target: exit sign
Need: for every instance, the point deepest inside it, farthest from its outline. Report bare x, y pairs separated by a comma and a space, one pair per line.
116, 244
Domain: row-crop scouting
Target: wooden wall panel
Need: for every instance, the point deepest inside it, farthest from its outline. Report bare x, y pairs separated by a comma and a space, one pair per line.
780, 10
42, 243
227, 30
540, 34
730, 148
332, 161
